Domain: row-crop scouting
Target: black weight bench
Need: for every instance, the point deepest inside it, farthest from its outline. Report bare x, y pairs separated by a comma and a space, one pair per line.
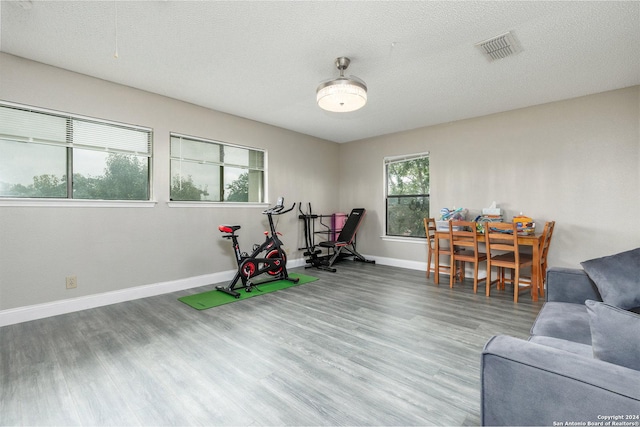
346, 239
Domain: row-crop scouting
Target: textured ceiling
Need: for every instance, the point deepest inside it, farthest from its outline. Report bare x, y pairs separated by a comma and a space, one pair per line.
263, 60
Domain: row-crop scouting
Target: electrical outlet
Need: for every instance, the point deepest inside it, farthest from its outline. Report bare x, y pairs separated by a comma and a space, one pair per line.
72, 282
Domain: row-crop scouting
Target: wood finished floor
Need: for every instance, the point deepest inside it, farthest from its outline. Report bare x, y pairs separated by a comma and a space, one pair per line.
368, 345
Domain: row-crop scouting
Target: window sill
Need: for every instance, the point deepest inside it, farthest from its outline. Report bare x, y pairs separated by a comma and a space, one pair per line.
415, 240
65, 203
217, 205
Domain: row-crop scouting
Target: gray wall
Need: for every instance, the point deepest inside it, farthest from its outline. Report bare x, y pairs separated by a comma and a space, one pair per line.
576, 162
116, 248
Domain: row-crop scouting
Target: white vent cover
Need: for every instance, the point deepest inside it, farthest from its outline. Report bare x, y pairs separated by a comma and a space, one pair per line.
499, 47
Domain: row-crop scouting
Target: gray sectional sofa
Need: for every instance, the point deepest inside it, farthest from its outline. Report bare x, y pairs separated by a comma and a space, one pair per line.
581, 364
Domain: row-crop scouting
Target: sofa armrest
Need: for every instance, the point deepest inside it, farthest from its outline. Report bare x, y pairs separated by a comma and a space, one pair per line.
525, 383
570, 285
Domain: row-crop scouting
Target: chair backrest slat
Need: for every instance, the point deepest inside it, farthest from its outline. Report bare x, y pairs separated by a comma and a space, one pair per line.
502, 236
463, 233
547, 233
430, 230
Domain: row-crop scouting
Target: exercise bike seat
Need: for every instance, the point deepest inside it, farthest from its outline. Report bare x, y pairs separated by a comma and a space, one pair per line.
228, 228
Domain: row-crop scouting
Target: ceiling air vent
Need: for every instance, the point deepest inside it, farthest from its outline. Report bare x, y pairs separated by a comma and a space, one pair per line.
499, 47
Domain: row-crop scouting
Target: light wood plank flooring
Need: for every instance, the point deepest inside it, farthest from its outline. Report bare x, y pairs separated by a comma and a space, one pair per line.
368, 345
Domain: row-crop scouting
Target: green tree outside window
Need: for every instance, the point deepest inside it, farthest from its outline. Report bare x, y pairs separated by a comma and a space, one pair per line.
407, 195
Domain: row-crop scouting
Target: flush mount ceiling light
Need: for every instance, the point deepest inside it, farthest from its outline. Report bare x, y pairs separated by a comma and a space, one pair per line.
343, 94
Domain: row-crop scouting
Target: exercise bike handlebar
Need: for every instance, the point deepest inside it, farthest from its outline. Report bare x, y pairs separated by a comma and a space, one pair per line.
278, 210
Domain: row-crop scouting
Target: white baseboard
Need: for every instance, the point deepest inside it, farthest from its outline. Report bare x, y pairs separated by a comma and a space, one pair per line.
396, 262
40, 311
419, 265
54, 308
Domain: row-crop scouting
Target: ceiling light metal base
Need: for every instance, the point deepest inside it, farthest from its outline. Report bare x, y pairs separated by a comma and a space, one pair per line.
343, 94
342, 63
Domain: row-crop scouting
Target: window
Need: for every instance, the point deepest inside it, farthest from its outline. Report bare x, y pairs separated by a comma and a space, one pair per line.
204, 170
40, 149
407, 194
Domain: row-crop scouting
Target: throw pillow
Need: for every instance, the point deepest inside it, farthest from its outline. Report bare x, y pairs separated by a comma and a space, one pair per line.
617, 278
615, 334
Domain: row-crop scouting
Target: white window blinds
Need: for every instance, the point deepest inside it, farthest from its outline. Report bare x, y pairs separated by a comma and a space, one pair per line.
111, 138
30, 126
26, 125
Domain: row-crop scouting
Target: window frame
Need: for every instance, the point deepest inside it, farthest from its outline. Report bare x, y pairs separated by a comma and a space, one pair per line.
397, 159
222, 164
70, 146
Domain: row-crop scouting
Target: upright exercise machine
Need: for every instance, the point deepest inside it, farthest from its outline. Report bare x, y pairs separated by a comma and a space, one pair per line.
268, 258
311, 251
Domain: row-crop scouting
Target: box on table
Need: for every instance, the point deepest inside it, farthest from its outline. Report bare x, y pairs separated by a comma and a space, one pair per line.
524, 224
491, 211
444, 226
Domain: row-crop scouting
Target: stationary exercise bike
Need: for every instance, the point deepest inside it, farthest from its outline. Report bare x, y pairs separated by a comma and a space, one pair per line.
272, 262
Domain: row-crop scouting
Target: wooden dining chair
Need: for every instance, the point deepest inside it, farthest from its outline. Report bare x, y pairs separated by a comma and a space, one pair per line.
547, 233
430, 229
545, 242
464, 235
501, 239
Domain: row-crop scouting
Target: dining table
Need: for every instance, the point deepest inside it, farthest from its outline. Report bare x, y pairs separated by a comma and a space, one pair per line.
534, 240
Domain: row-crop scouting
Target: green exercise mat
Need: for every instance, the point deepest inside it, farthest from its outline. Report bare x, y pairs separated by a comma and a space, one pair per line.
214, 298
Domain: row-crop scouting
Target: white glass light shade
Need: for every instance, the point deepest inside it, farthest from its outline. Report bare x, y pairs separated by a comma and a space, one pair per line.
341, 95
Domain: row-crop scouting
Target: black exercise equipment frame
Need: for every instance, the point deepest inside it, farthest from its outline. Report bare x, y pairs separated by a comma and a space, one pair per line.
346, 240
311, 252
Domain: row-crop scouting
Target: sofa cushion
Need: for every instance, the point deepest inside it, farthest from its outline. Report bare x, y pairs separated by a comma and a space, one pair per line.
563, 320
570, 346
615, 334
617, 278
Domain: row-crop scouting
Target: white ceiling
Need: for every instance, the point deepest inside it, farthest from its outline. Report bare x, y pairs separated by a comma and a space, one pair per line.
264, 59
